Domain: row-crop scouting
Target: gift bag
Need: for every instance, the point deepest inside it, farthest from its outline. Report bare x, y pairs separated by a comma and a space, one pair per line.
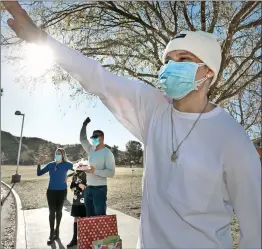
95, 228
110, 242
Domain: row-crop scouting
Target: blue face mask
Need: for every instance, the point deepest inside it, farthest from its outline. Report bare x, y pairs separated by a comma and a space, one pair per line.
58, 158
178, 78
95, 141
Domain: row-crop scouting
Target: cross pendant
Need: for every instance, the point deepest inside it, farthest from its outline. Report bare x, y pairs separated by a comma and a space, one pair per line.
174, 156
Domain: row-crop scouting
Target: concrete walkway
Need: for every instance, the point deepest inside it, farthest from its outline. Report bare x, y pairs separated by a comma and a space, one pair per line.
36, 228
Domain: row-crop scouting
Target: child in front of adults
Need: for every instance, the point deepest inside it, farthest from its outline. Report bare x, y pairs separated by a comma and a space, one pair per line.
78, 185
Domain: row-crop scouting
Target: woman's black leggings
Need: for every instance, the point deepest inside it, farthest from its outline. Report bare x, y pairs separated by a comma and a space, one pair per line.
55, 199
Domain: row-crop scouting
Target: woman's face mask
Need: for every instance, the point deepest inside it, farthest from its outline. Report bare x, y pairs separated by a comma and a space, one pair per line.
58, 157
178, 78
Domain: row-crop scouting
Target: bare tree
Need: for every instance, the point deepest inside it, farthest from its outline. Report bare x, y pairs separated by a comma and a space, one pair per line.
133, 152
128, 38
44, 152
4, 157
82, 153
27, 157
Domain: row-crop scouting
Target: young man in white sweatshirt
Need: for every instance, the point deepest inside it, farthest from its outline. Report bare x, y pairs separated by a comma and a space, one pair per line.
200, 164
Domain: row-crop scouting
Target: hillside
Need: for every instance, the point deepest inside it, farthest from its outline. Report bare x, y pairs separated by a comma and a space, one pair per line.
31, 146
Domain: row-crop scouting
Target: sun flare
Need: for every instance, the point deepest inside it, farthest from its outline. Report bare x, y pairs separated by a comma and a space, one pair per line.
38, 59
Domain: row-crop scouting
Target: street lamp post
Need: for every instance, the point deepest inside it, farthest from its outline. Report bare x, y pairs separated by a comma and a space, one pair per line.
20, 143
16, 178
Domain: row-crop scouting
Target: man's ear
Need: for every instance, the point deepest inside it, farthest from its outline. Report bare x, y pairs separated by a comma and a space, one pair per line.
210, 73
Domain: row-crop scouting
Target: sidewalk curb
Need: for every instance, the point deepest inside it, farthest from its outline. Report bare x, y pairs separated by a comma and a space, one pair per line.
20, 242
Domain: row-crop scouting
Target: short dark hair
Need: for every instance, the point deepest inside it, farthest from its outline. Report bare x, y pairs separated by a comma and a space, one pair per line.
98, 132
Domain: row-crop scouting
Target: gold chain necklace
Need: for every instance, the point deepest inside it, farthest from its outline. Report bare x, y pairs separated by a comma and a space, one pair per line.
174, 155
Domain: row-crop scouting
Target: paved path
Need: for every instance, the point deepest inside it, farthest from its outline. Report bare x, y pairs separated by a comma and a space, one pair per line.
37, 228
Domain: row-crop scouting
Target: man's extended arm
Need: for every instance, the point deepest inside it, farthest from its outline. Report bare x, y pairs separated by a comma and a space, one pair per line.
83, 138
133, 103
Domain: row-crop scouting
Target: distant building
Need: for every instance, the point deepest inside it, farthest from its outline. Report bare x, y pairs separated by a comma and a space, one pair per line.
258, 144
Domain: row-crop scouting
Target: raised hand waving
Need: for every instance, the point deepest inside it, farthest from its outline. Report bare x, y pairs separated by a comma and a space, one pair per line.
22, 24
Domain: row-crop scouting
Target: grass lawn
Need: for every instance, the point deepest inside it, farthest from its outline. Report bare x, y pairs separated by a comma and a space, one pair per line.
124, 191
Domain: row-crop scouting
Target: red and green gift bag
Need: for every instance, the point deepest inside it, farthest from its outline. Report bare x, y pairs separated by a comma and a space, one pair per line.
110, 242
95, 228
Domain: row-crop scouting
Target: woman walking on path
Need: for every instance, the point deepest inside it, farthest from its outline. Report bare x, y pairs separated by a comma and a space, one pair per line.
78, 185
57, 189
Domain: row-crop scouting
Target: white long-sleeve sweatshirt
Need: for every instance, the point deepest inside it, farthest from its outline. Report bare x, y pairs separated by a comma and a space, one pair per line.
189, 204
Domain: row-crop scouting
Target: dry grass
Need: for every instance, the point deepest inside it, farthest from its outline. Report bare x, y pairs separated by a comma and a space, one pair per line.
124, 191
125, 186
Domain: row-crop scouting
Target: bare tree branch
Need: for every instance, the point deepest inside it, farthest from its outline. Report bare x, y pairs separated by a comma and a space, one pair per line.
158, 14
258, 46
250, 25
203, 15
240, 88
241, 112
190, 25
250, 11
215, 16
247, 6
228, 42
137, 19
173, 8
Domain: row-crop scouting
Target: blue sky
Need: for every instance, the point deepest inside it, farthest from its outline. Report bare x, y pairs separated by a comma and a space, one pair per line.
52, 114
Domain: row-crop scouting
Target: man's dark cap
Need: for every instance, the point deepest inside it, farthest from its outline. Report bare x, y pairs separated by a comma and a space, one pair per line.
97, 133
